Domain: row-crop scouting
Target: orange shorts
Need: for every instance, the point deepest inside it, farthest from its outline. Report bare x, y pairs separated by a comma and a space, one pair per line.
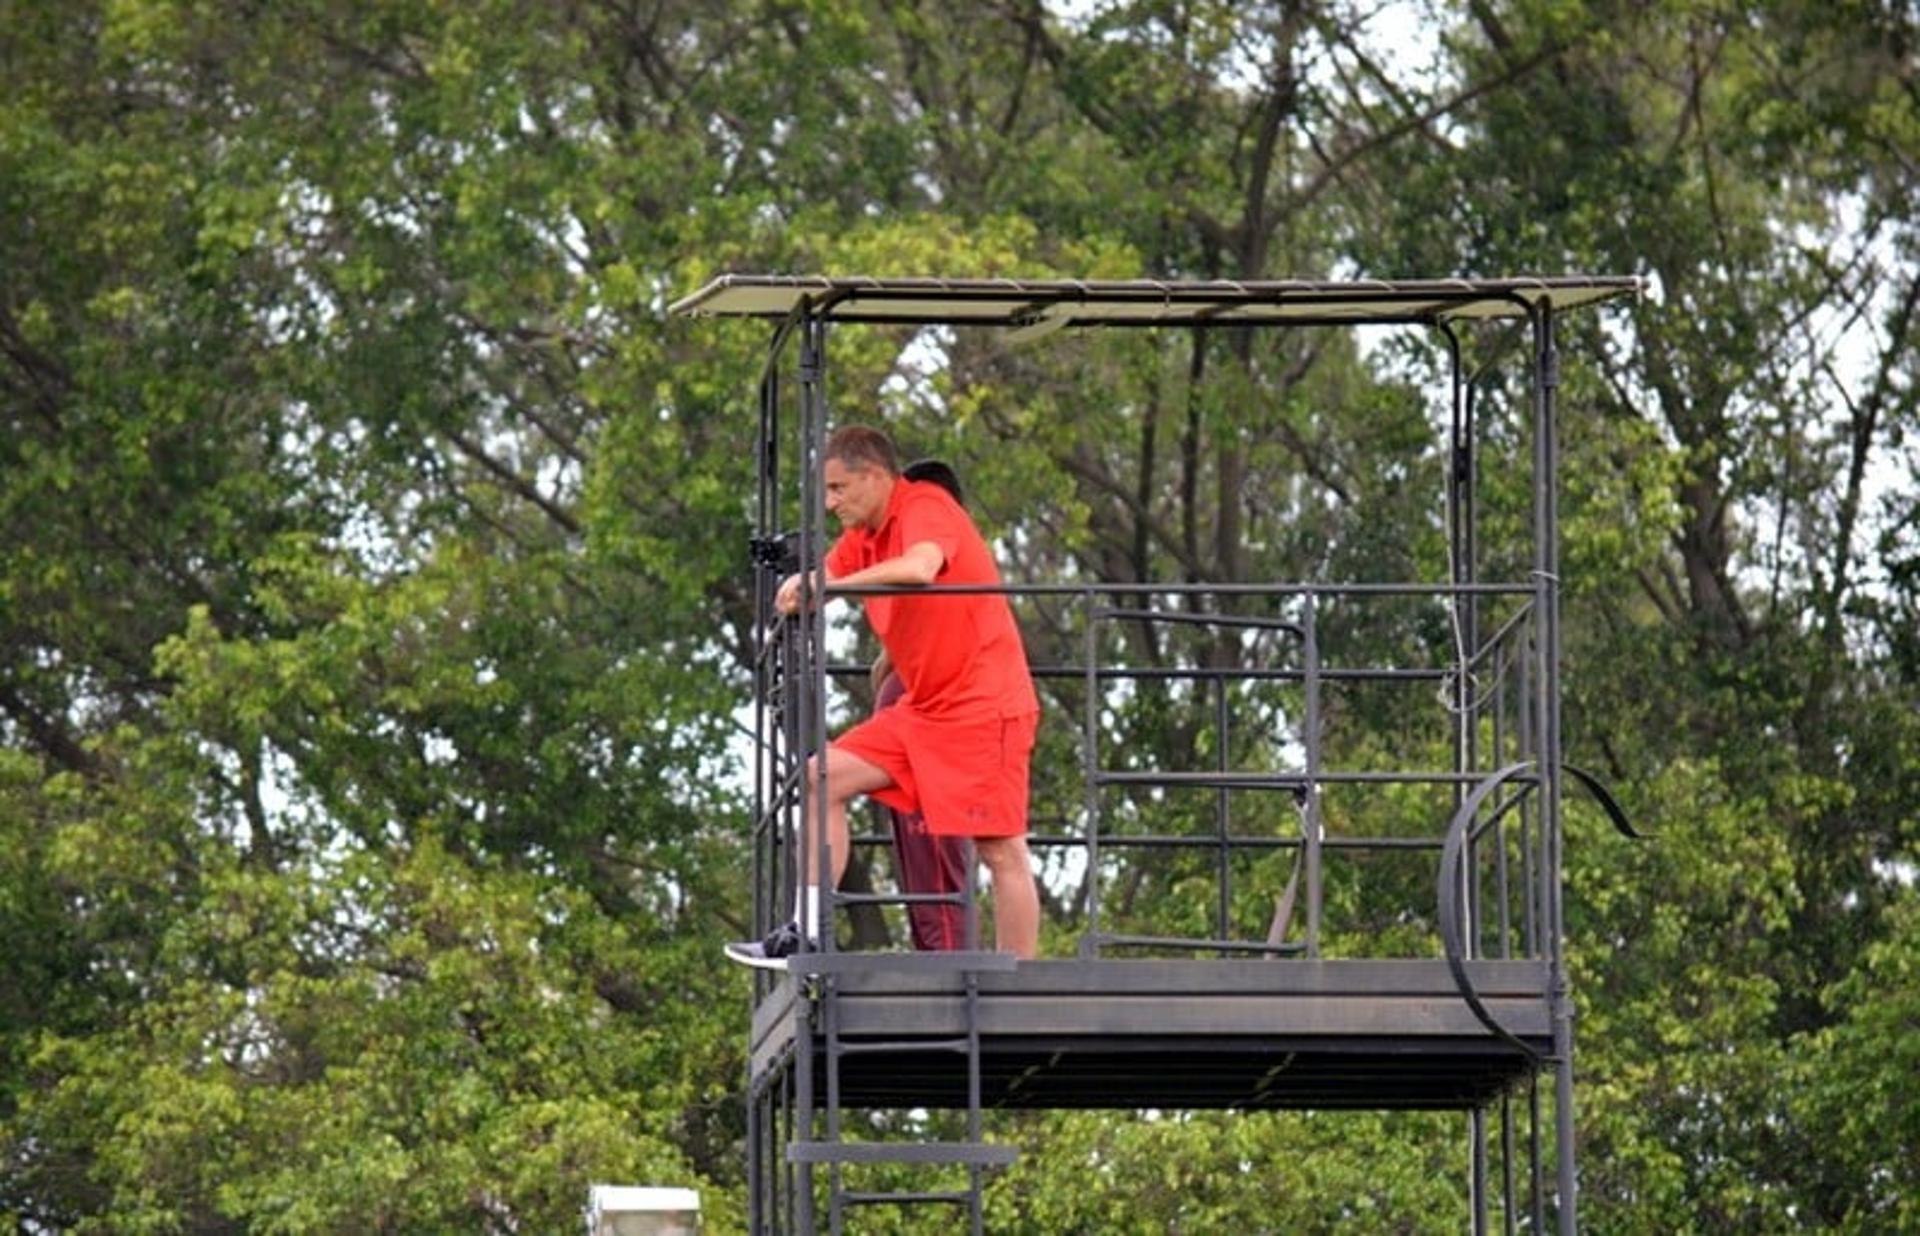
968, 778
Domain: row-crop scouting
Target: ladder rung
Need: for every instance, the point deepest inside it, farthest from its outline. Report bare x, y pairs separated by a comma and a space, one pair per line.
864, 1047
881, 1199
912, 963
901, 1152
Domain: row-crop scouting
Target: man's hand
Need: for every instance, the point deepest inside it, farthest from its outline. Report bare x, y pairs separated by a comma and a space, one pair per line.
787, 599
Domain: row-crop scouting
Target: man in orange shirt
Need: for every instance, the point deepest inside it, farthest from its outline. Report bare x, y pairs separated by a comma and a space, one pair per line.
926, 863
954, 748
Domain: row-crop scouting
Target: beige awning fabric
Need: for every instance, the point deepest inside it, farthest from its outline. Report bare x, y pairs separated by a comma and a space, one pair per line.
1039, 305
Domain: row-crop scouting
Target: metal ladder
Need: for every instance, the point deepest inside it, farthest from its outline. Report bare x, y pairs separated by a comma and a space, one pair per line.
825, 971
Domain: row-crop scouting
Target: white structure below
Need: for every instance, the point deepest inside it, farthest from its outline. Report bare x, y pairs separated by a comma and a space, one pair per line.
631, 1210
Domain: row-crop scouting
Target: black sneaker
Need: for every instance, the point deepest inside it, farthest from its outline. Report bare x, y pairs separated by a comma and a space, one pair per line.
771, 953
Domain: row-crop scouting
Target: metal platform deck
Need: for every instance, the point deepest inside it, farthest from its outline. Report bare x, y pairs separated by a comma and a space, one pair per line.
1249, 1034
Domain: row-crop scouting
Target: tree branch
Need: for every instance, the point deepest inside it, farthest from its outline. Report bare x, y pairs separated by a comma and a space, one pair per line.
1098, 477
514, 482
1393, 133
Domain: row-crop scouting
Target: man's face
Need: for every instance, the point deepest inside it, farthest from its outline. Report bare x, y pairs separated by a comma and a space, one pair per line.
857, 493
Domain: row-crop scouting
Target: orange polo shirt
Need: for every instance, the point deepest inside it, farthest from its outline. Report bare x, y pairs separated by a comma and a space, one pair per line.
960, 657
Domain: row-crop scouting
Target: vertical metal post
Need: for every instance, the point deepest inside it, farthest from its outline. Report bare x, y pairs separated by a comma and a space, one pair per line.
770, 1107
792, 1131
1507, 1208
813, 370
1090, 770
830, 1016
1463, 615
1310, 672
1501, 659
811, 672
1477, 1184
1502, 876
1470, 509
762, 677
756, 1157
1459, 568
1525, 740
976, 1212
800, 1125
814, 657
1222, 819
780, 738
1546, 579
1497, 740
1533, 1148
762, 671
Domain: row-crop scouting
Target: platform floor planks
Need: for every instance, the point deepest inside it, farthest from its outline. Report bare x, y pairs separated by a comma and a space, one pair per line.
1113, 1033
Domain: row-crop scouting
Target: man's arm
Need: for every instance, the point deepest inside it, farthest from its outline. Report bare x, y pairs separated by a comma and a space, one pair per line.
919, 565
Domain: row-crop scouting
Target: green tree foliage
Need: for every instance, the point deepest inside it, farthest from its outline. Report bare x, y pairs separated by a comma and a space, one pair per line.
373, 611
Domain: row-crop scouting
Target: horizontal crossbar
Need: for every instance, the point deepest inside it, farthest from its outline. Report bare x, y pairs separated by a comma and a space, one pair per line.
902, 1152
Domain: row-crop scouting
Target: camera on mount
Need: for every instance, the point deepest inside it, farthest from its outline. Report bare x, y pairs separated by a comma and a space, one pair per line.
778, 554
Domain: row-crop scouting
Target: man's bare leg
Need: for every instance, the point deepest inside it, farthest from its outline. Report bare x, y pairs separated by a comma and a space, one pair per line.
847, 776
1016, 899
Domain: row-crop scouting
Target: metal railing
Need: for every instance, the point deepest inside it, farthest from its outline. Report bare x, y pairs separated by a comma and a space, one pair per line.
1486, 700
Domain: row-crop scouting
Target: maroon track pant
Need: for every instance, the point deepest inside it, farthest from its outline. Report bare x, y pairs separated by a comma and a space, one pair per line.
928, 864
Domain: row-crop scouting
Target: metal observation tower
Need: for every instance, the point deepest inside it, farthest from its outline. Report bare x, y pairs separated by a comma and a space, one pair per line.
868, 1069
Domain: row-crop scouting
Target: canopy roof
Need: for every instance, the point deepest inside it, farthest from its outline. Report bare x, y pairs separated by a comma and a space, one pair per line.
1045, 304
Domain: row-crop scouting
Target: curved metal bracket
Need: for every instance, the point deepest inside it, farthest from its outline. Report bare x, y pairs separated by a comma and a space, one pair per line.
1452, 930
1608, 804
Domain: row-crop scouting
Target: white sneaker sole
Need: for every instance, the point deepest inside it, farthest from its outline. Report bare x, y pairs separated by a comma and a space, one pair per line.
750, 955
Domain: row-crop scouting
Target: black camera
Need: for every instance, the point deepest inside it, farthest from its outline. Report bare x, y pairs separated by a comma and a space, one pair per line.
778, 554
